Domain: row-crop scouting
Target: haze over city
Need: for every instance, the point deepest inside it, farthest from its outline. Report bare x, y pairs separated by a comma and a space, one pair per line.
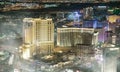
59, 36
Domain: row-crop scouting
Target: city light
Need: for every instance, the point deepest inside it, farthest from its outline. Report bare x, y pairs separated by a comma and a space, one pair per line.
16, 70
59, 36
112, 49
26, 54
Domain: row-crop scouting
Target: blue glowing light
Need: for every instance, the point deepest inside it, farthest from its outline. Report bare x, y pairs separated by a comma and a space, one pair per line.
95, 24
74, 16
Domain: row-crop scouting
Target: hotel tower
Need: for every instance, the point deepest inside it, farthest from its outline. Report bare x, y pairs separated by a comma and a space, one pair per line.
38, 37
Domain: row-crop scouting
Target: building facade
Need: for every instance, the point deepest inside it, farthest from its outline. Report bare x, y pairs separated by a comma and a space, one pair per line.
40, 34
67, 37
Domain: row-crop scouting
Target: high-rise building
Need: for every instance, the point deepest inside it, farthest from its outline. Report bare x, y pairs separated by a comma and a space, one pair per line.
67, 37
28, 36
40, 34
114, 39
88, 13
